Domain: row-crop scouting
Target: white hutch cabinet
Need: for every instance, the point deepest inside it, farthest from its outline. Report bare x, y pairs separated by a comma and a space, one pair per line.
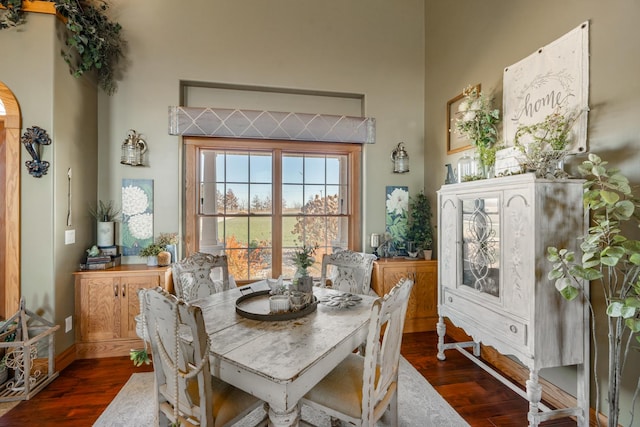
493, 236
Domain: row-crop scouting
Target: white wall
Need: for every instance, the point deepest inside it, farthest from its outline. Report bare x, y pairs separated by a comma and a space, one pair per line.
372, 48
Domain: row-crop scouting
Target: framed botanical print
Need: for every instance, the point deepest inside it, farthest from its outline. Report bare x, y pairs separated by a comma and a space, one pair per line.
455, 142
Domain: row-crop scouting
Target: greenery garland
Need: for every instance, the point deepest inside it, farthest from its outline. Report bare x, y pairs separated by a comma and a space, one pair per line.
93, 42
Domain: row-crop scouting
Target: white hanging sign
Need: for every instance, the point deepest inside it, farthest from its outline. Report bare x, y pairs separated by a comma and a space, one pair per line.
554, 78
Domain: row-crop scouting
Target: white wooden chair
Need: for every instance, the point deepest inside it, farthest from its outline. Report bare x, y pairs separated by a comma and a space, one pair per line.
193, 277
186, 392
361, 388
348, 271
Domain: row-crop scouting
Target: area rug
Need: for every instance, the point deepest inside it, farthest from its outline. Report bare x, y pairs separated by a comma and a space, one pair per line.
419, 404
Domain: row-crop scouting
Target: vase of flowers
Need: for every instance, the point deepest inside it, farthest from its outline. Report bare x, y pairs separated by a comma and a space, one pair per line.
477, 120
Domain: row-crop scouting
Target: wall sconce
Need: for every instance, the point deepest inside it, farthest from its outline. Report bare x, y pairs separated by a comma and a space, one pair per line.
133, 149
32, 139
400, 159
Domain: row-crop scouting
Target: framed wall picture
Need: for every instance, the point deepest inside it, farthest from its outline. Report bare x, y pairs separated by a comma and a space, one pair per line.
455, 142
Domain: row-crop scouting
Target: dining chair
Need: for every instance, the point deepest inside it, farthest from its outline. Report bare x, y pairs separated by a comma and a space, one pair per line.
186, 392
200, 275
361, 388
348, 271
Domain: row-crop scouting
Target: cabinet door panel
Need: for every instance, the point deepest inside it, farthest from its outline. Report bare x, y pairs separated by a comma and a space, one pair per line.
425, 293
130, 301
449, 248
100, 309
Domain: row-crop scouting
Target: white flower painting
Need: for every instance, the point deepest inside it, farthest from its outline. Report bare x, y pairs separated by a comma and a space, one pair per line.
397, 213
137, 215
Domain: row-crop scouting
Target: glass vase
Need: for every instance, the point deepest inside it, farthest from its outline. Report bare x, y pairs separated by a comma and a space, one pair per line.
470, 168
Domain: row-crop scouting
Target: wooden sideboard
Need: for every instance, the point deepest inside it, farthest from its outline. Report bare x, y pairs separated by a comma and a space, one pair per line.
107, 304
422, 311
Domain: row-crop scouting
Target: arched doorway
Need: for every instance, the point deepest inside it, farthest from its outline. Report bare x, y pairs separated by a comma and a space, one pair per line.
10, 125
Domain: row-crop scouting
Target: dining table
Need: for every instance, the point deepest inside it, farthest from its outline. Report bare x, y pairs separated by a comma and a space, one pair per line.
279, 361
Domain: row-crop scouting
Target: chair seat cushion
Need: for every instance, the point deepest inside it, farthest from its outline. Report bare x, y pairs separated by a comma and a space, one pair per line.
229, 401
341, 389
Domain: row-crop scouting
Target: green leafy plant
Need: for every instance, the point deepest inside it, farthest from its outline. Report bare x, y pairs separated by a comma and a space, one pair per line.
420, 229
477, 120
152, 250
611, 259
94, 43
105, 211
303, 257
139, 356
543, 144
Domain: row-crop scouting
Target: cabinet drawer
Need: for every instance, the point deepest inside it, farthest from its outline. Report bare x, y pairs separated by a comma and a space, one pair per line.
496, 324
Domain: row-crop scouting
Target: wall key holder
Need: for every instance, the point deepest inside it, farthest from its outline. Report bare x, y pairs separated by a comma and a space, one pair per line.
32, 139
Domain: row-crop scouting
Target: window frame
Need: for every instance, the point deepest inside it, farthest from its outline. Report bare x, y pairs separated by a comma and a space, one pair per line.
193, 146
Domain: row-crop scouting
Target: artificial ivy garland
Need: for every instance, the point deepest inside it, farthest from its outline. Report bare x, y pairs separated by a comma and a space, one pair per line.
93, 41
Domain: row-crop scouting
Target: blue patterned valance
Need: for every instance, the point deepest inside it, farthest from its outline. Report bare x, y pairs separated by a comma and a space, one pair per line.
230, 123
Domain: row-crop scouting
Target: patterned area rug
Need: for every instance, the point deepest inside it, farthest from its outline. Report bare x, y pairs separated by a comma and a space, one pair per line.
419, 404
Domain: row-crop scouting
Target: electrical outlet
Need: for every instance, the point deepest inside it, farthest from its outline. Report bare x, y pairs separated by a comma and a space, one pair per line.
68, 324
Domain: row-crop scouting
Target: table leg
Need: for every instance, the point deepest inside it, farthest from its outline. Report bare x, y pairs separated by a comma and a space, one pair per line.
279, 418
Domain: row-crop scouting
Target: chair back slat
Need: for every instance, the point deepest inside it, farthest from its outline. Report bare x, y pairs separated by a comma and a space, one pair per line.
348, 271
191, 387
193, 276
382, 355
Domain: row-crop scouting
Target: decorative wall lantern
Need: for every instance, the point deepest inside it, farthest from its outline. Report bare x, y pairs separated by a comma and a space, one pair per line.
400, 159
32, 139
133, 149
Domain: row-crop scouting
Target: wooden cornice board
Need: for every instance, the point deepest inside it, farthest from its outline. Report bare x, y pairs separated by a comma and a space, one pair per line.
38, 7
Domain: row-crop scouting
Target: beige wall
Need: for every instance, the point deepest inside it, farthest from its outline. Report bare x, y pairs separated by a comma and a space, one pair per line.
66, 108
372, 48
471, 42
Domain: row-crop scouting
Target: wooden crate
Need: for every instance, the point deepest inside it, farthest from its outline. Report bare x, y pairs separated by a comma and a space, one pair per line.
29, 356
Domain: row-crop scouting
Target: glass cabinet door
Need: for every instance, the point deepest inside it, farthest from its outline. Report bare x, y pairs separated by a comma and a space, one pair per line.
481, 244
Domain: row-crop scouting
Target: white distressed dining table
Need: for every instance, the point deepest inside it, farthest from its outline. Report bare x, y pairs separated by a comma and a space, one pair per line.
280, 361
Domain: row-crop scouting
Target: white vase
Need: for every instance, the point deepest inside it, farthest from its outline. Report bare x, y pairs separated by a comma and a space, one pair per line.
106, 233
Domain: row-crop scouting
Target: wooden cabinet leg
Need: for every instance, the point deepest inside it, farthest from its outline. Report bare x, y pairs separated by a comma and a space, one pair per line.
442, 330
534, 394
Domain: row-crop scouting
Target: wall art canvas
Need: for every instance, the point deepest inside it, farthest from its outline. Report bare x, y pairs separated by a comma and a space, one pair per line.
555, 78
397, 218
137, 215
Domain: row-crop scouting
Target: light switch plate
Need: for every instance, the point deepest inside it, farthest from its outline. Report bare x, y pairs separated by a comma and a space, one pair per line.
69, 237
68, 324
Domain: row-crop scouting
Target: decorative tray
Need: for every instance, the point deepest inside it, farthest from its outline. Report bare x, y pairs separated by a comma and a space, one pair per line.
256, 306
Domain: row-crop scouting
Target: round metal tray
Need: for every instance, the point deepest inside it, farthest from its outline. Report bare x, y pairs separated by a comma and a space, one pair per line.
255, 306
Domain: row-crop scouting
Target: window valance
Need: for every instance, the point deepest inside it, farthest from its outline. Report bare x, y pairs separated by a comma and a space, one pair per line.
230, 123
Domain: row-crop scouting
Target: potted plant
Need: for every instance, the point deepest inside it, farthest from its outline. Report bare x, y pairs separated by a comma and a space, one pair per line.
420, 229
151, 253
303, 258
93, 41
477, 120
544, 144
610, 259
107, 214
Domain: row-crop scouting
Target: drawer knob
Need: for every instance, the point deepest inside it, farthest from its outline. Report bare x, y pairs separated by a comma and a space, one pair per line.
513, 328
450, 299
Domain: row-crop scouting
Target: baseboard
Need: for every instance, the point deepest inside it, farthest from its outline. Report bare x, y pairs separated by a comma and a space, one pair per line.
66, 358
519, 374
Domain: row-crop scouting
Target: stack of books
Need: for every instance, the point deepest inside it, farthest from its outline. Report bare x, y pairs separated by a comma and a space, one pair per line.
101, 262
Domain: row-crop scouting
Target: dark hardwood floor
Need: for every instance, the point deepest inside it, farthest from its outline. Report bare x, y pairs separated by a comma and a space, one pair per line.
85, 388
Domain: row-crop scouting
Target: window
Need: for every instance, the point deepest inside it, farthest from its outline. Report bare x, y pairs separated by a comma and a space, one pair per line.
257, 200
